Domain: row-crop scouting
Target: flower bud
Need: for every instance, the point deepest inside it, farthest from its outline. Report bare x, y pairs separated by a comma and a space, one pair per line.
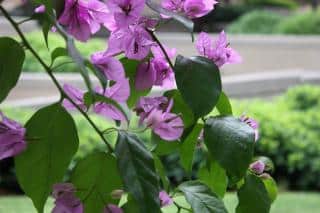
257, 167
40, 9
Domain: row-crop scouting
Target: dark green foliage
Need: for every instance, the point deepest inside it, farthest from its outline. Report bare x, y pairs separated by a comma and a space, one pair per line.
11, 60
253, 196
201, 198
53, 140
137, 170
230, 142
198, 80
97, 176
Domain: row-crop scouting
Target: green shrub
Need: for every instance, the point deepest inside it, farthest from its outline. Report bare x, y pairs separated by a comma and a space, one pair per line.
302, 23
258, 22
288, 4
290, 135
289, 129
37, 41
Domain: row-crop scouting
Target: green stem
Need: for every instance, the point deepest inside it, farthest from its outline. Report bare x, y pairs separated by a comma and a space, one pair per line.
50, 73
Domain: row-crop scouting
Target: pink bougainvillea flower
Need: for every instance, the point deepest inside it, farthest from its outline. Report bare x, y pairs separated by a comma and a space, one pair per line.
111, 67
168, 126
198, 8
145, 76
112, 209
138, 43
252, 123
165, 199
40, 9
221, 53
66, 201
164, 73
146, 104
155, 112
257, 167
76, 95
83, 18
158, 53
119, 92
157, 71
126, 12
134, 41
173, 5
12, 137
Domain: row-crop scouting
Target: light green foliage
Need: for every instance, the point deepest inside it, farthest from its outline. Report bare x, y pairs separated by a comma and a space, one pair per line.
266, 22
300, 23
256, 22
37, 41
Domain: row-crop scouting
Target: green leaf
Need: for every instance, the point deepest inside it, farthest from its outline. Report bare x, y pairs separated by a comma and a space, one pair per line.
164, 147
198, 80
130, 67
180, 107
11, 60
224, 106
253, 196
58, 52
231, 143
201, 198
188, 146
53, 142
215, 178
271, 187
138, 172
161, 171
97, 176
131, 205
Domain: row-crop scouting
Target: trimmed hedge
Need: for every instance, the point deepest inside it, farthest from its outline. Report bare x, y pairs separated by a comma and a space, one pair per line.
258, 21
290, 135
301, 23
289, 129
266, 22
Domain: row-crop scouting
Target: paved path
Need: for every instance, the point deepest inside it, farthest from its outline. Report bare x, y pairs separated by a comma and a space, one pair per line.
37, 89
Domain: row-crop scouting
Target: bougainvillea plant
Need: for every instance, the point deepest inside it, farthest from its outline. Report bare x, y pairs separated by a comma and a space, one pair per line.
129, 175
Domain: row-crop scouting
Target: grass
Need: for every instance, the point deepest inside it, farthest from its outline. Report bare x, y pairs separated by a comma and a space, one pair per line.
293, 202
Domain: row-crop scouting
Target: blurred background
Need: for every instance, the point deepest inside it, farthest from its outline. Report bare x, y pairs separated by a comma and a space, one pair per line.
278, 84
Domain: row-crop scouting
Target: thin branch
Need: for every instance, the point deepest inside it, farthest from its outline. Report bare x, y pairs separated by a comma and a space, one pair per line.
154, 37
50, 73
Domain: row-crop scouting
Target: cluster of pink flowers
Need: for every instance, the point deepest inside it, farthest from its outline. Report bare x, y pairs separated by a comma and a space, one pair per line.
155, 112
66, 201
191, 8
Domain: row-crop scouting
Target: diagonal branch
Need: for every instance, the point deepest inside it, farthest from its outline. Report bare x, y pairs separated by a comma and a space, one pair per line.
50, 73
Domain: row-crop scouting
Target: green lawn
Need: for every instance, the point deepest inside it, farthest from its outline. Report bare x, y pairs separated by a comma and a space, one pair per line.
286, 202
